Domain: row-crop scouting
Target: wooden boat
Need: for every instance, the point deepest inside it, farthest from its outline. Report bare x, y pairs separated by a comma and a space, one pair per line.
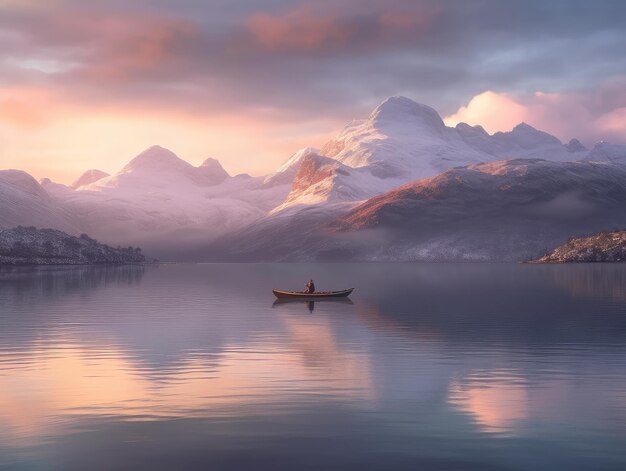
317, 295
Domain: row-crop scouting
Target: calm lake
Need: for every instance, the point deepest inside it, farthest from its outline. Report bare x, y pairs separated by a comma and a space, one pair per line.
429, 366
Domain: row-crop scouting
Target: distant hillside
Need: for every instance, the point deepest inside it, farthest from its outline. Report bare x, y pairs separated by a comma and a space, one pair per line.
601, 247
32, 246
512, 210
397, 185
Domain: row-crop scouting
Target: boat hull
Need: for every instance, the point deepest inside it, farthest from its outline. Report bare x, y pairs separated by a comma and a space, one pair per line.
300, 295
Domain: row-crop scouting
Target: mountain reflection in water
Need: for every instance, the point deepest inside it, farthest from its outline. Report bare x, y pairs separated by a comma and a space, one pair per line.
466, 366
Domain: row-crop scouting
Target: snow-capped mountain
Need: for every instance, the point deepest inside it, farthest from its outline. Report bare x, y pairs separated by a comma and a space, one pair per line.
158, 167
510, 210
605, 152
211, 172
523, 141
90, 176
504, 210
574, 145
25, 202
402, 141
166, 205
322, 180
163, 203
287, 172
399, 142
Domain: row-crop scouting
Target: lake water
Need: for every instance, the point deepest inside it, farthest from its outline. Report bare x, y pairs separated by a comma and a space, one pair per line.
430, 366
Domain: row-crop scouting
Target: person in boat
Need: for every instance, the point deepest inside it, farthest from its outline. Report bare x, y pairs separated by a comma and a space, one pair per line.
310, 287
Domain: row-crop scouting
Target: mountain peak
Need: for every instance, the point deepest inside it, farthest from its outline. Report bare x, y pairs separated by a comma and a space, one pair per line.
397, 101
287, 171
211, 163
313, 169
523, 126
296, 158
574, 145
21, 180
468, 129
525, 136
606, 152
212, 172
402, 113
90, 176
156, 158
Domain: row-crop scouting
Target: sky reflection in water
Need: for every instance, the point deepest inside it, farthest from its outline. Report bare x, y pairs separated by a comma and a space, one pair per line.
445, 366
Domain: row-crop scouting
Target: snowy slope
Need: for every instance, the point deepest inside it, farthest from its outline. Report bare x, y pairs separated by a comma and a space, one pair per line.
523, 141
399, 142
402, 141
511, 210
504, 210
322, 180
90, 176
23, 201
606, 152
163, 203
286, 172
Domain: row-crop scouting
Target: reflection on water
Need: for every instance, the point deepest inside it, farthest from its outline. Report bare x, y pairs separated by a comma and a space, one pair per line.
435, 366
47, 281
603, 281
309, 304
497, 400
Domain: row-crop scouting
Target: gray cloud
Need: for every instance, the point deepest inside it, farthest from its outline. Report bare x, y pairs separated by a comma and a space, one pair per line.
312, 58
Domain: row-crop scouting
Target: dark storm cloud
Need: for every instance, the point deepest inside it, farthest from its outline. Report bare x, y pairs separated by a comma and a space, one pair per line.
309, 58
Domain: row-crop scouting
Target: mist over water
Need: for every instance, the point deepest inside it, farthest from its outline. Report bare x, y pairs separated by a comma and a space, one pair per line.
431, 366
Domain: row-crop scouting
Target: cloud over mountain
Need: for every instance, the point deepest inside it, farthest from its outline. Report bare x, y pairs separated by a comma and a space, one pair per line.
294, 69
599, 114
177, 210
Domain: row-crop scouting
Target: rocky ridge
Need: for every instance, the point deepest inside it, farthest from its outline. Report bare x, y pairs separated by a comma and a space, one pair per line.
601, 247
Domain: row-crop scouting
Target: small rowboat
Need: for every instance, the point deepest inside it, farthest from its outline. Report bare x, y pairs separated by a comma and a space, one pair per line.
317, 295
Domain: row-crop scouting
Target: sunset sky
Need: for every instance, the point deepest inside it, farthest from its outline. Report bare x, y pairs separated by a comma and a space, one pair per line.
89, 84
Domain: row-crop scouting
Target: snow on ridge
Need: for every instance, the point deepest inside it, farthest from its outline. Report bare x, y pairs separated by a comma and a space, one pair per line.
23, 201
156, 158
212, 171
157, 194
287, 171
403, 141
296, 157
88, 177
401, 114
158, 198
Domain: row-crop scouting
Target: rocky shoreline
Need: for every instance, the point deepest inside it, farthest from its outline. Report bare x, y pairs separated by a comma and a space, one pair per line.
601, 247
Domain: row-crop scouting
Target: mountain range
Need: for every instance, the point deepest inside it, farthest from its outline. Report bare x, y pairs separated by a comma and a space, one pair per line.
398, 185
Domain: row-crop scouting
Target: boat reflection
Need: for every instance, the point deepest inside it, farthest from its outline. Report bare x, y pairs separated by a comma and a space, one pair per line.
310, 304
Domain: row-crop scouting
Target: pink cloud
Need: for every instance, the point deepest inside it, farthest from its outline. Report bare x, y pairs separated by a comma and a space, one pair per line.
591, 116
128, 46
614, 122
100, 44
305, 29
493, 111
298, 29
49, 134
